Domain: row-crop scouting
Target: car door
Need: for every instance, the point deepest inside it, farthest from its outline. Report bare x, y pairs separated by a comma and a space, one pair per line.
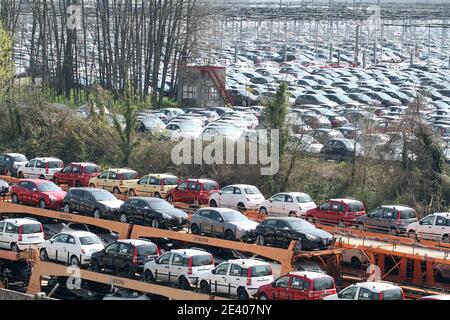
299, 288
9, 235
28, 170
206, 223
132, 211
280, 289
102, 180
58, 249
388, 219
112, 180
66, 175
108, 258
350, 293
71, 248
225, 197
426, 228
3, 164
24, 194
76, 200
282, 232
192, 192
269, 229
276, 204
441, 227
33, 193
88, 203
181, 192
177, 267
152, 186
237, 277
219, 276
289, 205
39, 169
124, 256
217, 223
331, 215
322, 212
143, 188
373, 220
3, 243
162, 268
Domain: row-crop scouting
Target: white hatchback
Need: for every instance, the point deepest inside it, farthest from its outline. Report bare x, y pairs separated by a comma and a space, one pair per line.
435, 227
20, 234
237, 196
369, 291
293, 204
241, 277
40, 168
74, 247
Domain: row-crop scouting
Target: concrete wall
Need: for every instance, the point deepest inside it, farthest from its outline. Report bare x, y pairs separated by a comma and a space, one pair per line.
13, 295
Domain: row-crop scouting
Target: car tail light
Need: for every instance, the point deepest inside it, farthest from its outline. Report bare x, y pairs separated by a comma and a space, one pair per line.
20, 233
46, 168
157, 251
135, 255
162, 184
249, 276
190, 265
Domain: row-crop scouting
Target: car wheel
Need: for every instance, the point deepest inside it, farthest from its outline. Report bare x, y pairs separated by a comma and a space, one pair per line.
263, 210
204, 287
95, 265
92, 185
74, 261
262, 296
157, 195
116, 190
148, 276
292, 214
43, 255
42, 204
195, 229
438, 276
445, 238
97, 214
242, 294
260, 240
123, 218
155, 223
412, 235
42, 177
67, 208
170, 199
241, 206
213, 203
184, 283
15, 198
229, 235
14, 247
127, 272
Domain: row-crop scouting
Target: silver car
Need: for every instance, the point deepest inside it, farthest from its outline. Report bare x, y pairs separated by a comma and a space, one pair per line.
223, 222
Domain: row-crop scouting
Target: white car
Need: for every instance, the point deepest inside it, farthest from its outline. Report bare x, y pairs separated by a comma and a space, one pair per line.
240, 196
20, 234
293, 204
75, 247
435, 226
369, 291
181, 266
241, 277
40, 168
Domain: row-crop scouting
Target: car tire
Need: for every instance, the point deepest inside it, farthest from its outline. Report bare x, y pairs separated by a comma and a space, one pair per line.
412, 235
292, 214
42, 204
131, 193
116, 190
263, 210
123, 218
445, 238
66, 208
242, 294
96, 214
438, 276
42, 177
213, 203
170, 198
15, 199
229, 235
148, 276
92, 185
20, 175
184, 283
205, 287
157, 195
43, 255
195, 229
95, 265
260, 240
14, 247
263, 296
74, 261
155, 223
241, 207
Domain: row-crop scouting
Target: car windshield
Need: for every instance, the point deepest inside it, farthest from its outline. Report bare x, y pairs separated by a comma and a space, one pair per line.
232, 215
407, 214
88, 240
48, 187
54, 164
324, 283
31, 228
304, 199
91, 169
19, 159
210, 186
202, 260
103, 195
160, 205
147, 249
171, 181
393, 294
252, 190
129, 175
300, 225
356, 206
261, 271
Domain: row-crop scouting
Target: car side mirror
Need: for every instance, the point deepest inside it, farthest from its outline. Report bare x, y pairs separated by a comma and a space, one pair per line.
420, 222
340, 295
270, 200
51, 241
213, 271
220, 220
146, 208
157, 261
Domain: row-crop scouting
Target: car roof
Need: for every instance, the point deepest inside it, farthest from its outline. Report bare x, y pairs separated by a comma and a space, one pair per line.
241, 185
148, 199
345, 200
79, 233
135, 242
398, 207
190, 252
83, 164
294, 194
162, 175
47, 159
120, 170
20, 221
13, 154
37, 181
218, 209
201, 180
377, 285
248, 262
442, 214
308, 274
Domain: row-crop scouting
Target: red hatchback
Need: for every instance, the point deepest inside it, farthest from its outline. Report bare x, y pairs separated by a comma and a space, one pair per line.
77, 174
37, 192
195, 191
343, 212
298, 286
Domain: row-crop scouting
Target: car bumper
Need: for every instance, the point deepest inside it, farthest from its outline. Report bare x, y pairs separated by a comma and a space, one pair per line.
177, 223
246, 236
28, 245
316, 245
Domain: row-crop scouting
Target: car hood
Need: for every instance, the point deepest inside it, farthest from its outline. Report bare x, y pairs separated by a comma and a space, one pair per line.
177, 213
246, 225
57, 194
115, 204
316, 233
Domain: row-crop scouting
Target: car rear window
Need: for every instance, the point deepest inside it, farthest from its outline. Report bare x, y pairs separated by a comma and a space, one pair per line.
89, 240
202, 260
92, 169
129, 175
31, 228
171, 181
356, 206
393, 294
408, 214
210, 186
324, 283
54, 164
147, 249
261, 271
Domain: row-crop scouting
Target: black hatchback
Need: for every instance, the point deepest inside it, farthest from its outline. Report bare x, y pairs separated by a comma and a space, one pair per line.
126, 257
154, 212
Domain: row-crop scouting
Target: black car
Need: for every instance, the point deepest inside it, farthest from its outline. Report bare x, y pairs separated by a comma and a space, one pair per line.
154, 212
281, 231
10, 162
125, 256
94, 202
76, 289
340, 149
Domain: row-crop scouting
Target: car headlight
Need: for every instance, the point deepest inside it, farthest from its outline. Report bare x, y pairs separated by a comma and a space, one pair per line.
52, 198
310, 237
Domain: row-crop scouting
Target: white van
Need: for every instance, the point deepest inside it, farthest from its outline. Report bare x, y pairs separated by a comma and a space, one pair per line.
20, 234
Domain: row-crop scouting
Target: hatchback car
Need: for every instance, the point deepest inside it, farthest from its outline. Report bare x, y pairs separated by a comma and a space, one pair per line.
20, 234
392, 219
40, 168
341, 150
369, 291
115, 180
153, 185
298, 286
195, 191
77, 174
435, 227
10, 162
281, 231
223, 222
343, 212
292, 204
154, 212
36, 192
238, 196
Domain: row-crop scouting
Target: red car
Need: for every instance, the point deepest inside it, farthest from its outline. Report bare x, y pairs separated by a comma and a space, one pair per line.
37, 192
298, 285
343, 212
77, 174
195, 191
